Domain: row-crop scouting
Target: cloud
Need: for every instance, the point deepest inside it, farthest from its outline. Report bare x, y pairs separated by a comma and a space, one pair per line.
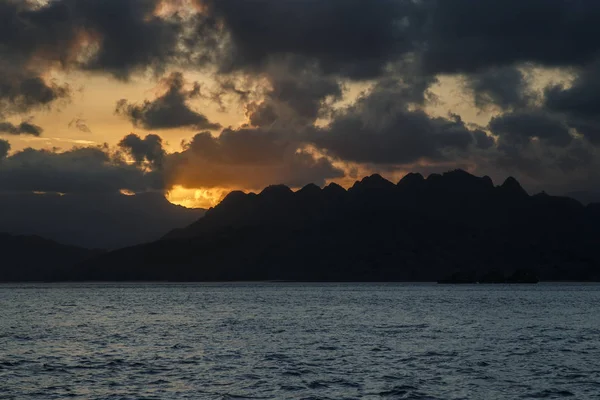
483, 140
463, 38
299, 58
25, 42
23, 92
80, 125
80, 170
131, 36
297, 95
24, 128
150, 149
382, 127
246, 158
579, 103
357, 39
354, 38
542, 167
118, 37
506, 88
167, 111
522, 126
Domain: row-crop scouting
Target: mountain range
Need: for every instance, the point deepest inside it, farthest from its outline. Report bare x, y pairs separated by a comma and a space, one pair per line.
416, 230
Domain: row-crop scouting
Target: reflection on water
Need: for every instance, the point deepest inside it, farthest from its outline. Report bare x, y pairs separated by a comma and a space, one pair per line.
299, 341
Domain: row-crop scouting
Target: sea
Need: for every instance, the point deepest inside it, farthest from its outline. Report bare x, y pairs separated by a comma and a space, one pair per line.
299, 341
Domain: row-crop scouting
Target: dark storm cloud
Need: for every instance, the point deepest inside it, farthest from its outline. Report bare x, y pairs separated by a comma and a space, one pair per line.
24, 128
167, 111
21, 92
25, 31
576, 157
579, 103
4, 148
483, 140
521, 127
467, 36
149, 149
114, 36
544, 167
247, 157
297, 96
306, 51
25, 35
381, 128
360, 38
506, 88
355, 38
404, 138
30, 40
581, 99
244, 146
131, 36
80, 170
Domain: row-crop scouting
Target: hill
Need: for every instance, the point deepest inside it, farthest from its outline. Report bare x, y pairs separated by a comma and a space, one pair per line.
416, 230
97, 220
32, 258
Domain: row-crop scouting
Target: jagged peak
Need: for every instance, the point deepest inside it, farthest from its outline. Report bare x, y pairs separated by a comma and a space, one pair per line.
234, 196
433, 177
458, 172
374, 181
460, 180
411, 178
510, 181
488, 180
334, 188
513, 186
233, 200
311, 188
462, 174
276, 190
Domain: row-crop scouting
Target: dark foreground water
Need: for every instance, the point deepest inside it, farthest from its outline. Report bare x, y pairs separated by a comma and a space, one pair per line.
296, 341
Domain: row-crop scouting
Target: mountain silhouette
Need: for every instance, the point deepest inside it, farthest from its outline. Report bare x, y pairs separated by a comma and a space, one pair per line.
97, 220
585, 197
32, 258
416, 230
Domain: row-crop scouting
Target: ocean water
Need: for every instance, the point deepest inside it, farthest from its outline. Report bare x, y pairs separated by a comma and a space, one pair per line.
299, 341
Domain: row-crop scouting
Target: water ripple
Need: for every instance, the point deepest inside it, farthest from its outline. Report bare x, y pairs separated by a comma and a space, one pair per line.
299, 341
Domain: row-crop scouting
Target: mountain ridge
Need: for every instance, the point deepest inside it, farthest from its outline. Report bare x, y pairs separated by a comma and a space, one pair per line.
236, 204
415, 230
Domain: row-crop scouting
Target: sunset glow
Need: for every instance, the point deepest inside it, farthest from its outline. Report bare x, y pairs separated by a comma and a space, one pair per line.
196, 198
277, 110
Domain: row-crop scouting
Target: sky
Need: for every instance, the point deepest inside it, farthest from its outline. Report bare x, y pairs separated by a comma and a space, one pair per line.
195, 98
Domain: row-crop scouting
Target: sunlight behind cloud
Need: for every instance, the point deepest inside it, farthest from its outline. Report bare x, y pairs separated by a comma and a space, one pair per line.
196, 198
